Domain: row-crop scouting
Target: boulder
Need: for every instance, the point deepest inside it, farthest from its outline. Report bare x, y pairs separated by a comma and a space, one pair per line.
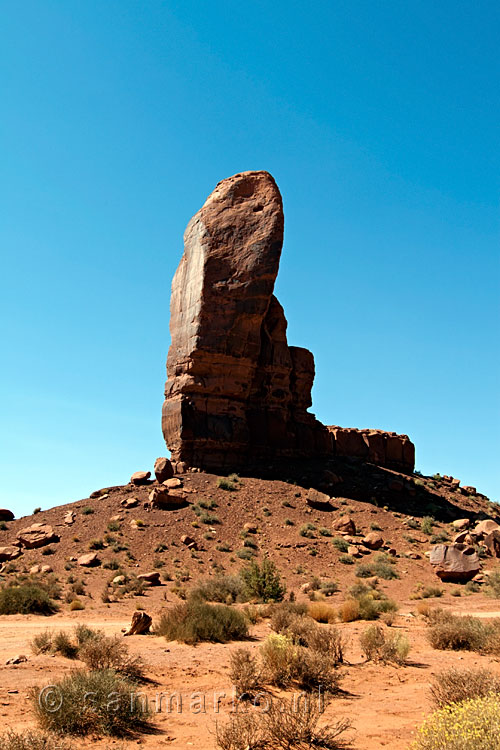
18, 659
129, 502
373, 540
353, 551
37, 535
163, 469
119, 580
141, 623
461, 523
492, 542
188, 541
250, 528
469, 490
10, 552
152, 578
317, 499
167, 499
45, 569
486, 527
455, 563
90, 560
69, 518
344, 524
140, 477
173, 483
6, 515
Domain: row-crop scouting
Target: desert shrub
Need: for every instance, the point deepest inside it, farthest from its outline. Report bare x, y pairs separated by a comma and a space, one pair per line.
454, 685
284, 613
325, 532
84, 633
279, 657
26, 599
244, 673
96, 544
243, 731
377, 645
453, 632
315, 669
225, 589
469, 725
493, 588
92, 703
340, 543
321, 612
76, 605
226, 484
110, 652
41, 643
307, 530
62, 644
294, 723
3, 526
87, 511
346, 560
114, 526
349, 610
430, 592
439, 538
382, 567
194, 621
263, 581
245, 554
427, 524
29, 740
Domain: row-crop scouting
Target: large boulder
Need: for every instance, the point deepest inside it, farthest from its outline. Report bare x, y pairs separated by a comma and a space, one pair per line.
492, 542
141, 623
140, 477
486, 527
37, 535
6, 515
163, 469
317, 499
150, 579
373, 540
11, 552
457, 562
166, 499
344, 524
89, 560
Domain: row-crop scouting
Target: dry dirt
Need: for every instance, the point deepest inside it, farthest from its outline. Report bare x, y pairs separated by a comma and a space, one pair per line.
385, 704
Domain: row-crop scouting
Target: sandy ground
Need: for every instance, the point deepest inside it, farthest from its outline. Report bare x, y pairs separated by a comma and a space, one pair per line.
385, 704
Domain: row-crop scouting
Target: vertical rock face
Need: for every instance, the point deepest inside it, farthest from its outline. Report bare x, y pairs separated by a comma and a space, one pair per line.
236, 393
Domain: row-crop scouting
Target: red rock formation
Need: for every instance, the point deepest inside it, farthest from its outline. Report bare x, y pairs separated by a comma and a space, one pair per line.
236, 393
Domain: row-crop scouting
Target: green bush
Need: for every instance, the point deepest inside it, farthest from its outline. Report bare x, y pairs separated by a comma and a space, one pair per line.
340, 543
91, 703
194, 621
226, 484
263, 581
493, 588
427, 524
470, 725
26, 599
307, 530
223, 589
110, 652
377, 645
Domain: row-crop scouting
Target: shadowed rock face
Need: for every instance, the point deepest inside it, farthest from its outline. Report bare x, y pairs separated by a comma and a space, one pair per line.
236, 393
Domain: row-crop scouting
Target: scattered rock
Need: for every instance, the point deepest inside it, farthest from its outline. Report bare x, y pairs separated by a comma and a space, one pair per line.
181, 467
11, 552
140, 477
188, 541
317, 499
90, 560
373, 540
491, 542
173, 483
37, 535
69, 518
461, 523
455, 563
166, 498
129, 502
152, 578
250, 528
141, 623
344, 524
469, 490
19, 659
353, 551
163, 469
45, 569
6, 515
486, 527
119, 580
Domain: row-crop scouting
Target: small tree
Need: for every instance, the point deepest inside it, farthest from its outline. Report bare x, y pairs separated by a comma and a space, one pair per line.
264, 581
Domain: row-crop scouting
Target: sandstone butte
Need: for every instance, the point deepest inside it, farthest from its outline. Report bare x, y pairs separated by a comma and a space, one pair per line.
236, 393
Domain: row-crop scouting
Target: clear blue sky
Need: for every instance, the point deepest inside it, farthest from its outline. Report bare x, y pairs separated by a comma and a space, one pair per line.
380, 123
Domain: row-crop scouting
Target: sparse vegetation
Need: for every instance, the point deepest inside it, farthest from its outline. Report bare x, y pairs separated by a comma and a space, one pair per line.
454, 685
194, 621
224, 589
226, 484
453, 632
427, 525
26, 599
30, 740
469, 725
80, 716
245, 673
263, 581
377, 645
